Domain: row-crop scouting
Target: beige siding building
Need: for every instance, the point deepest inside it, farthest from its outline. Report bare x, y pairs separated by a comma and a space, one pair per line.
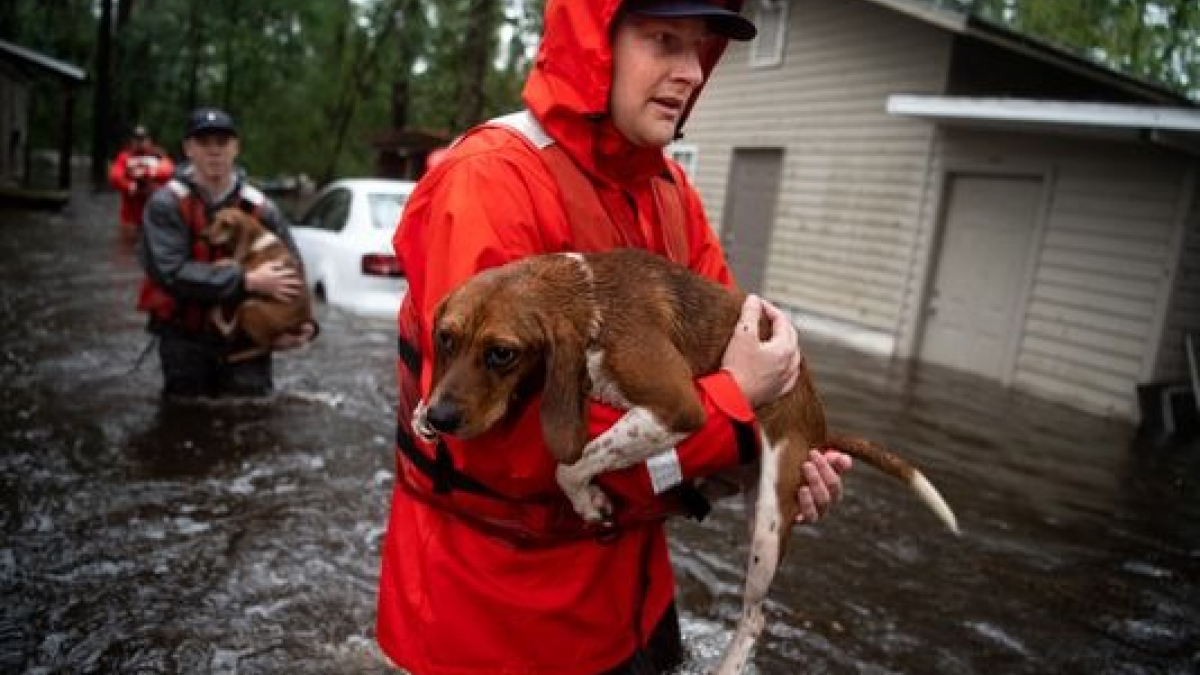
921, 184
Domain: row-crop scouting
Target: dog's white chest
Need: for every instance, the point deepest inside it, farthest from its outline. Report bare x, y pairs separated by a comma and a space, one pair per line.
604, 388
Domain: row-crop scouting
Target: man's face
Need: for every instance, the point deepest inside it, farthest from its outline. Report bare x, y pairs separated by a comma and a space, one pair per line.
212, 154
656, 69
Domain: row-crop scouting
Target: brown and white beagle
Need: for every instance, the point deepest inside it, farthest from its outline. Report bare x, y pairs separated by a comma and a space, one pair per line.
634, 330
245, 240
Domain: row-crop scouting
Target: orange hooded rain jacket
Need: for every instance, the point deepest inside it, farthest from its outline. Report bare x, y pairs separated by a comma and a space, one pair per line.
135, 174
452, 599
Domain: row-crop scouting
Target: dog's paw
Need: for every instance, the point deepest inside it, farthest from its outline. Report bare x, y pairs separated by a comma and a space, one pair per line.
589, 501
598, 508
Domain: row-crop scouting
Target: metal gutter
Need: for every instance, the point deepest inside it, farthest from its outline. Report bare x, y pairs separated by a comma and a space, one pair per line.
53, 66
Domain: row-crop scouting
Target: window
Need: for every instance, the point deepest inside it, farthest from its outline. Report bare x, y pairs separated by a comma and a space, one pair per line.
686, 156
330, 213
386, 209
771, 17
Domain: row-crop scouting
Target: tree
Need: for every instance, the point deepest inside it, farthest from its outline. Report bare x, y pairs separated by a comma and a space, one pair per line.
1156, 40
312, 82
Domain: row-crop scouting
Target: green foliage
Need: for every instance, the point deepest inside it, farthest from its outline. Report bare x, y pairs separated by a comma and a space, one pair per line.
314, 82
1155, 40
311, 82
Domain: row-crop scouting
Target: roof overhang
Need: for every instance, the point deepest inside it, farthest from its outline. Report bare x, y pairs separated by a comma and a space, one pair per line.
41, 62
1175, 127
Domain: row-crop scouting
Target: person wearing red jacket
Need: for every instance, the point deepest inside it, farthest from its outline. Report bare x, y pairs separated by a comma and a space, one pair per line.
140, 169
486, 569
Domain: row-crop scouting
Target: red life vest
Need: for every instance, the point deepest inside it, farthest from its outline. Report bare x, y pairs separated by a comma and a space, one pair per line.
153, 298
549, 520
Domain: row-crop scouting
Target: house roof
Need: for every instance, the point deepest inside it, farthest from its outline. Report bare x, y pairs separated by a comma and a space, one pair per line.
24, 56
1177, 127
966, 25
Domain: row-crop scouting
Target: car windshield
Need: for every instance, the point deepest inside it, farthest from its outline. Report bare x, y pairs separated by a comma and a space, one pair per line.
385, 209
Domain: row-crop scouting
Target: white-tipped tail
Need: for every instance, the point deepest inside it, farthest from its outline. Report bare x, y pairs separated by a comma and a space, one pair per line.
933, 499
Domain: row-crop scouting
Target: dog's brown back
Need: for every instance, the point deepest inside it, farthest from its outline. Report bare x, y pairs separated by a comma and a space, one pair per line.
636, 290
251, 245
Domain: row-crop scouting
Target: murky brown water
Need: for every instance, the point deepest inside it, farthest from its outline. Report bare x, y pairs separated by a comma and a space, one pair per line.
244, 537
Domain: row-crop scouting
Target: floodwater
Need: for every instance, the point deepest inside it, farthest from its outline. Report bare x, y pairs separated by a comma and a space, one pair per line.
244, 537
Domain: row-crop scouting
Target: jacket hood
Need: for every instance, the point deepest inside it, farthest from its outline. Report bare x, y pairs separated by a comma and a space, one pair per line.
568, 88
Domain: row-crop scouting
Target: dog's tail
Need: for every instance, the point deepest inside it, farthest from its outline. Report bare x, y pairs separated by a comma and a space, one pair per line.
889, 463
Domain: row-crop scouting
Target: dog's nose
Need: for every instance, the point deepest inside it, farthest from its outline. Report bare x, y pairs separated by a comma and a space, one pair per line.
444, 416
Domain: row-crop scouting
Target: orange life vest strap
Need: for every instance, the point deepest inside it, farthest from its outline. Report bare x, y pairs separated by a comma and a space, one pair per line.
589, 218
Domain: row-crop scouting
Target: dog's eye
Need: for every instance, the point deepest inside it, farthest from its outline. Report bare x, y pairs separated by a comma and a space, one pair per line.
499, 357
444, 341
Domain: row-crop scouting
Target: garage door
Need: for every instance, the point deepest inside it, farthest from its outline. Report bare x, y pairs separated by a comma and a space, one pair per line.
750, 213
971, 315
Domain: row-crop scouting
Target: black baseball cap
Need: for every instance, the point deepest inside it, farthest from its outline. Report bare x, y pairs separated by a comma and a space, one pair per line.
722, 21
214, 120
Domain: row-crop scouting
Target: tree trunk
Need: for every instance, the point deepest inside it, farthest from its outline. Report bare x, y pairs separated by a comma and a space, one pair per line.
363, 73
406, 54
101, 129
479, 49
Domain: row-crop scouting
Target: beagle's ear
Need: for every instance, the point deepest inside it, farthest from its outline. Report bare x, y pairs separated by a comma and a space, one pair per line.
564, 422
439, 358
240, 236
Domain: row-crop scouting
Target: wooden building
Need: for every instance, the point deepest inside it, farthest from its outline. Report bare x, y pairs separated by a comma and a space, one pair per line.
920, 183
21, 70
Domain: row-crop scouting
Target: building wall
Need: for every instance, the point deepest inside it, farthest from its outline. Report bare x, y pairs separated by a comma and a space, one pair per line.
849, 210
859, 208
14, 132
1103, 273
1183, 312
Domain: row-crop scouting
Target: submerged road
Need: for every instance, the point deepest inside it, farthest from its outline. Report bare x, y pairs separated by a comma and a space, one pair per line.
244, 537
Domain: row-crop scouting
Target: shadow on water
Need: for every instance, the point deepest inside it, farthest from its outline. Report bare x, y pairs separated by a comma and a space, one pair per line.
244, 536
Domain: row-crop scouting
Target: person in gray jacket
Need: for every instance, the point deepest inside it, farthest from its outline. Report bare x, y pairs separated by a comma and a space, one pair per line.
183, 280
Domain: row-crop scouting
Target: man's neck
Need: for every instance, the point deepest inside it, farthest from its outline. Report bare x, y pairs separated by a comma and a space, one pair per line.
216, 190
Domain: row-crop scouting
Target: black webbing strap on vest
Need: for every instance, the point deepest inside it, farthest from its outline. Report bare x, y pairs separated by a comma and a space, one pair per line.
440, 468
409, 356
695, 505
746, 437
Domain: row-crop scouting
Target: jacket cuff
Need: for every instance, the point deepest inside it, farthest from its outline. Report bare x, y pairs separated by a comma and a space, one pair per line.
727, 396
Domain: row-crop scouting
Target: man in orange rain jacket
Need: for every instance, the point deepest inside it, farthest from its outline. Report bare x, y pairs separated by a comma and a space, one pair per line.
486, 569
140, 169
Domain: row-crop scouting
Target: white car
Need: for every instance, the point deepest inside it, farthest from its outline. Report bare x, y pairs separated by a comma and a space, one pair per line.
345, 240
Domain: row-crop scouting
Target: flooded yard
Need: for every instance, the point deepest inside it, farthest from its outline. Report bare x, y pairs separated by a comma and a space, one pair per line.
244, 537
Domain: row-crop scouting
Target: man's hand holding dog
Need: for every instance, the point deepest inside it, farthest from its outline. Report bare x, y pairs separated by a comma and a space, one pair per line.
764, 369
278, 281
767, 369
274, 280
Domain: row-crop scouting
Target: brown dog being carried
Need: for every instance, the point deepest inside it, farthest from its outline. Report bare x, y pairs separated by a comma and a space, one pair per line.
634, 330
261, 320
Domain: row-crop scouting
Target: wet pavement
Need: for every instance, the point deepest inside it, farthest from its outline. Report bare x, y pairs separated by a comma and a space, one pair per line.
243, 537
